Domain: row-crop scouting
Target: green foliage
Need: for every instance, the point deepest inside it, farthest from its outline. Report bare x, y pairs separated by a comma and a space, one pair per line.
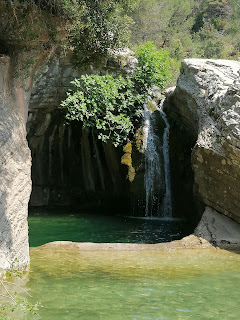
7, 311
11, 291
111, 105
90, 27
102, 26
153, 67
189, 28
176, 49
198, 22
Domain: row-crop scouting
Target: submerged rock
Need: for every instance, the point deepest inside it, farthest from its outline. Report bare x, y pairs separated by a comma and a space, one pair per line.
207, 98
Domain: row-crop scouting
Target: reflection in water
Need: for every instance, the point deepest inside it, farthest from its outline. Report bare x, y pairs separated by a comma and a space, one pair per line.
95, 228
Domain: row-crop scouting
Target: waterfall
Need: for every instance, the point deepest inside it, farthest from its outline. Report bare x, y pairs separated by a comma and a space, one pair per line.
157, 172
167, 200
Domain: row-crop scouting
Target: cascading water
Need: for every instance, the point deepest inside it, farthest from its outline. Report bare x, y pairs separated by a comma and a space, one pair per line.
167, 200
157, 170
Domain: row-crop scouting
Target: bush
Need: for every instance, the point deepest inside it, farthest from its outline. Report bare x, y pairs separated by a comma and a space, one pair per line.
153, 67
110, 105
113, 106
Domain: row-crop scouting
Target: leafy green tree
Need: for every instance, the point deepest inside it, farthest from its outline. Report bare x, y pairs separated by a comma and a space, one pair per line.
198, 22
153, 67
176, 49
90, 27
114, 106
107, 104
99, 26
150, 21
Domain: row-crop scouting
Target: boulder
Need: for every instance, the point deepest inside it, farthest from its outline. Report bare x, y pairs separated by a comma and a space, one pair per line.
207, 98
218, 230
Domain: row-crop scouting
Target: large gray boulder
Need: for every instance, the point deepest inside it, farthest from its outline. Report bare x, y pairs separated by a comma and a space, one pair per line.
218, 230
15, 170
207, 97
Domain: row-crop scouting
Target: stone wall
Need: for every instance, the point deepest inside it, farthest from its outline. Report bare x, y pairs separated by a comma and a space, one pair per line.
207, 99
15, 165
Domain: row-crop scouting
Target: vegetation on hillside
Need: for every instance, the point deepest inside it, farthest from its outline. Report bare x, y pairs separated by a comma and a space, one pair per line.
187, 28
91, 28
190, 28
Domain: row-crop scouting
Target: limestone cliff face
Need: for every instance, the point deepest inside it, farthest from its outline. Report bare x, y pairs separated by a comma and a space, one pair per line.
70, 165
15, 166
207, 98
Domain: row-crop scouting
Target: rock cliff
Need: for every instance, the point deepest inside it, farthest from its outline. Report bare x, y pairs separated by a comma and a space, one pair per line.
15, 166
207, 99
70, 165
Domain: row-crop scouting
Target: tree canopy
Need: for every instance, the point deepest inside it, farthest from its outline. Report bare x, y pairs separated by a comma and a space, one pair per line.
89, 27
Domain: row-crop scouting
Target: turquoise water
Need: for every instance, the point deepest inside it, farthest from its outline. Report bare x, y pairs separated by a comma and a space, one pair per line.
48, 227
120, 285
187, 284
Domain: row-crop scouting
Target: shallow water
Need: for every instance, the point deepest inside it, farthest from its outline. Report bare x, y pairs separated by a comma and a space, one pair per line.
118, 285
47, 226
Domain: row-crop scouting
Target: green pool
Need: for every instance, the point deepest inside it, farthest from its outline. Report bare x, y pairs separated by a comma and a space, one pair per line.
127, 285
48, 226
121, 285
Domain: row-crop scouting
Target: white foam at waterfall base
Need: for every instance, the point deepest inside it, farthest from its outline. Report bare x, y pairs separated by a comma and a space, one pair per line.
155, 180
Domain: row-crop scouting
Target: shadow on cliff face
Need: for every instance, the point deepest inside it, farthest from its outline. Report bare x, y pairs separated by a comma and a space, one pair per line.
219, 230
181, 142
71, 167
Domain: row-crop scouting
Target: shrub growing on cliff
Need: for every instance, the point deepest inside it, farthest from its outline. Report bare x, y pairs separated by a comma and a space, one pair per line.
113, 106
153, 67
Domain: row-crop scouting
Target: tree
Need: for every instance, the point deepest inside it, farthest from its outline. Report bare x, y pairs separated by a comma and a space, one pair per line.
114, 106
90, 27
109, 105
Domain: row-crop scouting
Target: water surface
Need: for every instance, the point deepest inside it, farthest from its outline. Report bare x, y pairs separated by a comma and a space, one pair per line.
183, 284
48, 226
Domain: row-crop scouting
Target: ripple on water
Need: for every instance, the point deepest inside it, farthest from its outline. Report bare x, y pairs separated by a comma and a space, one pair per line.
187, 284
